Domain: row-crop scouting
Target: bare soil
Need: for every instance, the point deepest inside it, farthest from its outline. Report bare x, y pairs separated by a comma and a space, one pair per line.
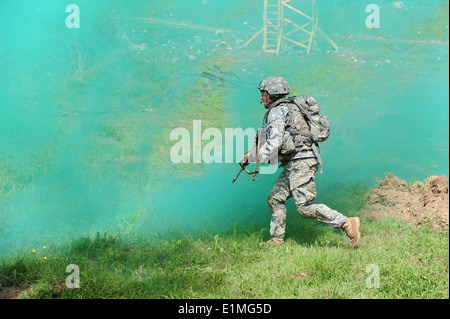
10, 292
419, 203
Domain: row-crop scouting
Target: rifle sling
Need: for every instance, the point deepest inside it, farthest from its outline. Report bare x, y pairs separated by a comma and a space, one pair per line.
257, 156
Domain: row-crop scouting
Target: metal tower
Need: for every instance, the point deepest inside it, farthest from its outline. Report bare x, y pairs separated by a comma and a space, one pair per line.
280, 30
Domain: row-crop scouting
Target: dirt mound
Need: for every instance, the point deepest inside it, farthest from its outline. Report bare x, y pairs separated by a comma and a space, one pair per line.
417, 203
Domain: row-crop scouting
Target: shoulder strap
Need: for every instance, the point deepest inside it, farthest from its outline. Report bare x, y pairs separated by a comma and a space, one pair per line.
275, 104
302, 110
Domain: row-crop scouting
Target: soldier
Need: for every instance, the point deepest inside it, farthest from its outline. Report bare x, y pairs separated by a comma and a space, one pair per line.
297, 180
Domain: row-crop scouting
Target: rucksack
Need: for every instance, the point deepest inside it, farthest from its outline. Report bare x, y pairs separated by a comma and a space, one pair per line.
318, 123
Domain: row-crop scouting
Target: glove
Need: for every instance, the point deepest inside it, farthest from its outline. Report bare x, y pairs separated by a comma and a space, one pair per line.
249, 157
244, 158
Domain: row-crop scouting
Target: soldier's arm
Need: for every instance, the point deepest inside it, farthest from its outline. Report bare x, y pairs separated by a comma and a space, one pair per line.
276, 123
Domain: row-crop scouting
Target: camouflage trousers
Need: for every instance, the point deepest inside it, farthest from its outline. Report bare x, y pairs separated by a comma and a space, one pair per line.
298, 181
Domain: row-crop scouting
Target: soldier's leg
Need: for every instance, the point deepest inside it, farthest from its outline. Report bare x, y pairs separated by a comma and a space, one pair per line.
277, 198
304, 192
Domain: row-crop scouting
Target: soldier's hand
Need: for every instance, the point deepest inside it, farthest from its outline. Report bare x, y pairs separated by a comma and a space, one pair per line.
249, 157
244, 158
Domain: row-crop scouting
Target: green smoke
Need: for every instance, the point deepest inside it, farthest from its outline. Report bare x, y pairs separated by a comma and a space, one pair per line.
86, 114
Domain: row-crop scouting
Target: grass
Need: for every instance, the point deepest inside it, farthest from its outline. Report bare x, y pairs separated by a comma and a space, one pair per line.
316, 262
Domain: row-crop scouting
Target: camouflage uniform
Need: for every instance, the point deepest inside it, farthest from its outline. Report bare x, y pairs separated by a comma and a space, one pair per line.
300, 166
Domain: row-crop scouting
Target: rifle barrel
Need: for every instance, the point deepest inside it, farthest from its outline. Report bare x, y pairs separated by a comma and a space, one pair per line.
237, 175
242, 168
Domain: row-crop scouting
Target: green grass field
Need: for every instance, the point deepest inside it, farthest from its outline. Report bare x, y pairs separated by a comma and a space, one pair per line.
90, 141
394, 260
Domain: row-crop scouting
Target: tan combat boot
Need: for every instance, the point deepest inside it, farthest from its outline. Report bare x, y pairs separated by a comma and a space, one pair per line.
273, 241
351, 227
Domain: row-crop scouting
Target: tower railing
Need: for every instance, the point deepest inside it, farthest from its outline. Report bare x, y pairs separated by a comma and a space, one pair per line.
280, 31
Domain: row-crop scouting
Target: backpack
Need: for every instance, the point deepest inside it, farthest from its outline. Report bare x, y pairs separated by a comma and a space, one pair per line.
318, 123
319, 126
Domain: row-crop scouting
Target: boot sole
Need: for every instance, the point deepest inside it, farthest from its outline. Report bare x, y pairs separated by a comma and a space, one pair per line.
358, 237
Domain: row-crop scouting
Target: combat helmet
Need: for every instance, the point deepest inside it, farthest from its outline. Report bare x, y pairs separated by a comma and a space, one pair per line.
275, 86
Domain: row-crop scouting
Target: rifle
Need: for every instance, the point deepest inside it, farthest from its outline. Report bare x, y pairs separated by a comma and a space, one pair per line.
260, 138
243, 167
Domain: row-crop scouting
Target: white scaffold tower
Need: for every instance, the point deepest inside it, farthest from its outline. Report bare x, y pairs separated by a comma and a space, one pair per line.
281, 32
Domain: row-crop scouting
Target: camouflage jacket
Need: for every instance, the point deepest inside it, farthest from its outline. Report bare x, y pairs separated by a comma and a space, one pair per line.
284, 141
